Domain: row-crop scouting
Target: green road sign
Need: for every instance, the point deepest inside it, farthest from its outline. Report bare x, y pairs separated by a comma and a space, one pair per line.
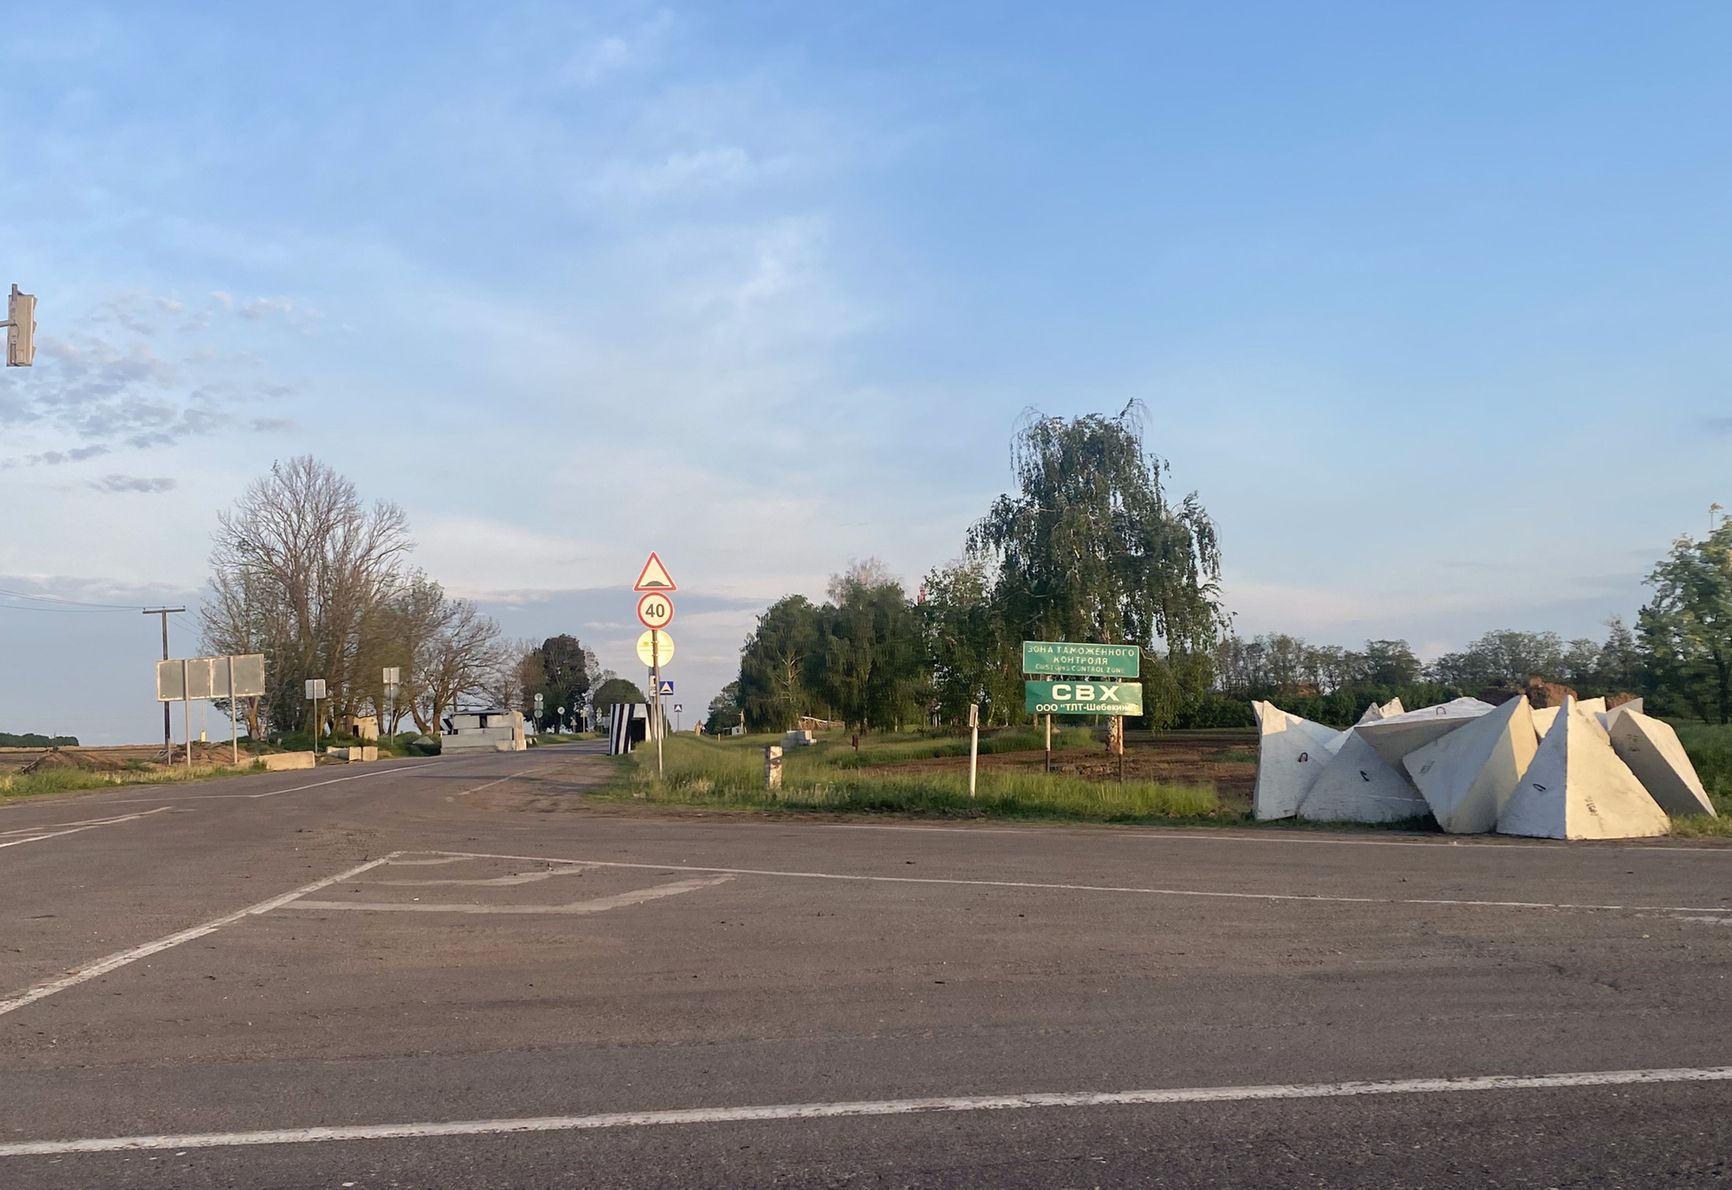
1083, 698
1076, 657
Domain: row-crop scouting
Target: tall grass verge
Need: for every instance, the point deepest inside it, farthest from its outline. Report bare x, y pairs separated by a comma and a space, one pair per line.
16, 786
701, 773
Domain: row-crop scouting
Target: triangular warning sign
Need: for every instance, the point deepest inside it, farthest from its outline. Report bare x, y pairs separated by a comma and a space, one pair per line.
655, 576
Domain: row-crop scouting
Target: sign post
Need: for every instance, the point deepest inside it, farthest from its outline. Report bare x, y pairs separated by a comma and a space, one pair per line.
203, 678
656, 611
234, 719
186, 712
391, 675
1097, 688
315, 691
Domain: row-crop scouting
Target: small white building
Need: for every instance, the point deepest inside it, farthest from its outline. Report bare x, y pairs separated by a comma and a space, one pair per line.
483, 731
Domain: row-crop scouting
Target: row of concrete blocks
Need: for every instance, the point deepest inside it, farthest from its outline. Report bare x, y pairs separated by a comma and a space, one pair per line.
1577, 771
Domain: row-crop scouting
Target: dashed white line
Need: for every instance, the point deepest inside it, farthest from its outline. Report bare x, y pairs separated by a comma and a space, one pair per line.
120, 959
402, 768
867, 1107
1315, 898
512, 777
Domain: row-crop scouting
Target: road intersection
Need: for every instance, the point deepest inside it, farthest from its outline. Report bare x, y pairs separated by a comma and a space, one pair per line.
457, 972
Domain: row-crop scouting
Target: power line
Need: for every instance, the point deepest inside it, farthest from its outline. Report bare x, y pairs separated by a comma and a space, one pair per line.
61, 599
65, 611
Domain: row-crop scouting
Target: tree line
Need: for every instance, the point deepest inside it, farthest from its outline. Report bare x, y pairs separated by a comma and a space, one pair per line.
321, 583
1091, 548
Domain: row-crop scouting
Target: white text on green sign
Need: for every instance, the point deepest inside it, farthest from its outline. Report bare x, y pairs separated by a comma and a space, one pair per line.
1080, 658
1083, 698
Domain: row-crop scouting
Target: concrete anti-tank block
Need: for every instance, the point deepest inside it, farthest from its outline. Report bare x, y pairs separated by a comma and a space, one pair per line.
1396, 735
1291, 754
1650, 748
1358, 785
1577, 788
1468, 775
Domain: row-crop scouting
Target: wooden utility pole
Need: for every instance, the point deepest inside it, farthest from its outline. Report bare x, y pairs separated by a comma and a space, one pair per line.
167, 723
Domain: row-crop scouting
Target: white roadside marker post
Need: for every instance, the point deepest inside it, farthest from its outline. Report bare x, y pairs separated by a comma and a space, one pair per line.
973, 744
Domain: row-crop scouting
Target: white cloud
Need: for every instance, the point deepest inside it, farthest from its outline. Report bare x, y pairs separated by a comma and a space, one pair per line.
680, 173
133, 483
599, 58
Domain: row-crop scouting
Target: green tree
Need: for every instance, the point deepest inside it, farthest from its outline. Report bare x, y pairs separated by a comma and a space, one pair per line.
1090, 548
774, 664
565, 675
869, 664
724, 712
1390, 663
1686, 629
972, 657
1620, 658
616, 690
1503, 658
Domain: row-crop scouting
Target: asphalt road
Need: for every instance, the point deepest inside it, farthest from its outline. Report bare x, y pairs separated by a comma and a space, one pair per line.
456, 973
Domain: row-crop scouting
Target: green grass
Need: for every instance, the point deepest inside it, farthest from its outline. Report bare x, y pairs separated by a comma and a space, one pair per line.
1710, 748
838, 753
16, 786
712, 773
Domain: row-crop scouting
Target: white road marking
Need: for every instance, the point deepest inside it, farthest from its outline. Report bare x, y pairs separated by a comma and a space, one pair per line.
514, 776
1271, 835
1317, 898
207, 797
120, 959
489, 882
598, 905
36, 834
402, 768
868, 1107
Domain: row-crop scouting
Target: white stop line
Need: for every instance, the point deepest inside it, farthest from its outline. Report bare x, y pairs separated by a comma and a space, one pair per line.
870, 1107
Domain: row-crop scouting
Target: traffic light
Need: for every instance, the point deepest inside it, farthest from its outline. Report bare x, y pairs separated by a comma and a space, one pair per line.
20, 329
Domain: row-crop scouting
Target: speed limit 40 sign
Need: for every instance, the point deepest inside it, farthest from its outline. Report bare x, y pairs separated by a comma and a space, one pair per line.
655, 610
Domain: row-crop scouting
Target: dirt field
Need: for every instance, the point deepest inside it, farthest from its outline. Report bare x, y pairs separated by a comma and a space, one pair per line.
104, 759
1225, 759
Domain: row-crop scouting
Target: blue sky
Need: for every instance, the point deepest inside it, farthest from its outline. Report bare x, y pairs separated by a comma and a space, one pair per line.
1428, 303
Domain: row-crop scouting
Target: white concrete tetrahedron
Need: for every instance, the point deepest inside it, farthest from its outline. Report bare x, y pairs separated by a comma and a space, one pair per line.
1397, 735
1467, 775
1291, 752
1392, 707
1650, 748
1357, 785
1543, 720
1577, 788
1372, 714
1593, 706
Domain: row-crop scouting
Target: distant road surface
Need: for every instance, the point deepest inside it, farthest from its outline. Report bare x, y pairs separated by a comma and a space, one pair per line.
452, 972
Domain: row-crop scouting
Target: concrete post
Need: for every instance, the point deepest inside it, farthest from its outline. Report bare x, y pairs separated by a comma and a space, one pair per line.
773, 766
973, 745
